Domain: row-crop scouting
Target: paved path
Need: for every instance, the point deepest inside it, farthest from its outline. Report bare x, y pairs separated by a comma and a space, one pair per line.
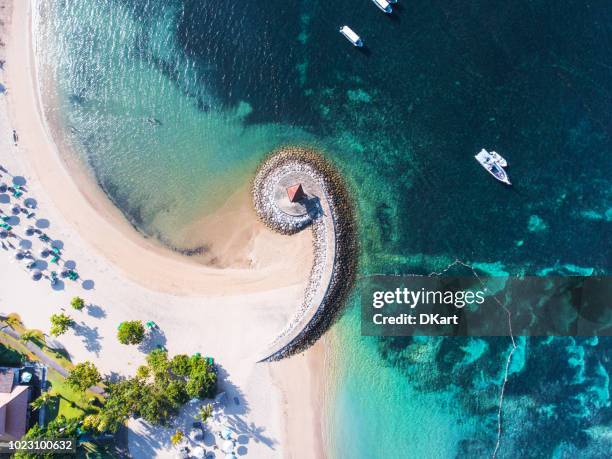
44, 358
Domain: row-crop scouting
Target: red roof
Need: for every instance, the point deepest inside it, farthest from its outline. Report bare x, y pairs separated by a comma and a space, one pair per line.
295, 192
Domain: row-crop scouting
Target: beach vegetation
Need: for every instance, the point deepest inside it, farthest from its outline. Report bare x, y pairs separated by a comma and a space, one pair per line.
14, 320
180, 365
10, 357
143, 372
131, 332
35, 336
59, 428
43, 400
157, 392
83, 376
77, 303
177, 437
60, 323
205, 413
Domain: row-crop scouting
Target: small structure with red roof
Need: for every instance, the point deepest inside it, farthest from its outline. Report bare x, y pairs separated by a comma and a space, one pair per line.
296, 193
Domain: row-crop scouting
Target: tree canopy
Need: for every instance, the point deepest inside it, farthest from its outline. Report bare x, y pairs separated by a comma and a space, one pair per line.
77, 303
158, 392
131, 332
83, 376
60, 323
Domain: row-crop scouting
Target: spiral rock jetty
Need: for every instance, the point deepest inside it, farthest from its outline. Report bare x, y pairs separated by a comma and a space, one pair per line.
323, 205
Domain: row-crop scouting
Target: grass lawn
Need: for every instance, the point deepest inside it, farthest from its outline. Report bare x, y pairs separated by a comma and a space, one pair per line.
68, 403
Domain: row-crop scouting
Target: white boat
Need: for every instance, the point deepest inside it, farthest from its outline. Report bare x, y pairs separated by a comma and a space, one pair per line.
351, 36
498, 159
489, 162
383, 5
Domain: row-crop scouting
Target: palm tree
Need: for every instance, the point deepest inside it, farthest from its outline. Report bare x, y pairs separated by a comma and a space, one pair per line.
31, 335
177, 437
41, 401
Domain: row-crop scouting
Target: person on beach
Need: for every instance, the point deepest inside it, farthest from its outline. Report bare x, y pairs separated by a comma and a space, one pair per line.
15, 137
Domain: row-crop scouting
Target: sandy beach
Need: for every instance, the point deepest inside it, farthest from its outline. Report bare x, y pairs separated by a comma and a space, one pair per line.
231, 308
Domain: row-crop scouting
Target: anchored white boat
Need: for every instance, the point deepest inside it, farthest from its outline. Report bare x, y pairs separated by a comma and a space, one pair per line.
351, 36
383, 5
498, 159
494, 164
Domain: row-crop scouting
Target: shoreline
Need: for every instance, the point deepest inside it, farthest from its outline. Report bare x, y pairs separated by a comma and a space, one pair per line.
304, 433
86, 207
229, 313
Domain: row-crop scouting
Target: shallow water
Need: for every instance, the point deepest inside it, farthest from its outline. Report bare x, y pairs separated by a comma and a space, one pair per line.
172, 103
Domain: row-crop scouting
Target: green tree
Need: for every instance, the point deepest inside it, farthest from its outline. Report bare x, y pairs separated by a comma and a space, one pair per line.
205, 412
32, 335
177, 437
180, 365
83, 376
158, 361
157, 391
131, 332
59, 428
77, 303
143, 372
13, 320
60, 324
43, 400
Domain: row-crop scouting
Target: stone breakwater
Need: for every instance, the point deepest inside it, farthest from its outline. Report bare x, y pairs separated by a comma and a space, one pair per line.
330, 215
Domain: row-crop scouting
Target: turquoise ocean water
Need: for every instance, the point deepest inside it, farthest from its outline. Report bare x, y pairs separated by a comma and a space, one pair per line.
172, 103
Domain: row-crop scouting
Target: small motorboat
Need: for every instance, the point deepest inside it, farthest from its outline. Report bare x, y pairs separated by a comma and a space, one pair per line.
351, 36
498, 159
383, 5
490, 163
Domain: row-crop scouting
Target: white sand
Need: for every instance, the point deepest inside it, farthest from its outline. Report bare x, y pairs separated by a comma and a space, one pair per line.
230, 313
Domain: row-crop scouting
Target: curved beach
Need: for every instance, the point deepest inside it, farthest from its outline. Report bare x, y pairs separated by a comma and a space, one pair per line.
86, 207
231, 313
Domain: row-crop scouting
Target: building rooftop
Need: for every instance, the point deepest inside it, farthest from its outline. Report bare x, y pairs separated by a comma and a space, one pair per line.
295, 192
14, 400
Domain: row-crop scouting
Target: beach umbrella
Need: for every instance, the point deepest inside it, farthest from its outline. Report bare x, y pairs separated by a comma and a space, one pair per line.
228, 446
198, 452
3, 234
30, 203
44, 253
19, 255
194, 435
36, 275
226, 434
3, 187
15, 210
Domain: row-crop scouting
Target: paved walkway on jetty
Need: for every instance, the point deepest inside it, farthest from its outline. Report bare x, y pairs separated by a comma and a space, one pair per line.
324, 246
